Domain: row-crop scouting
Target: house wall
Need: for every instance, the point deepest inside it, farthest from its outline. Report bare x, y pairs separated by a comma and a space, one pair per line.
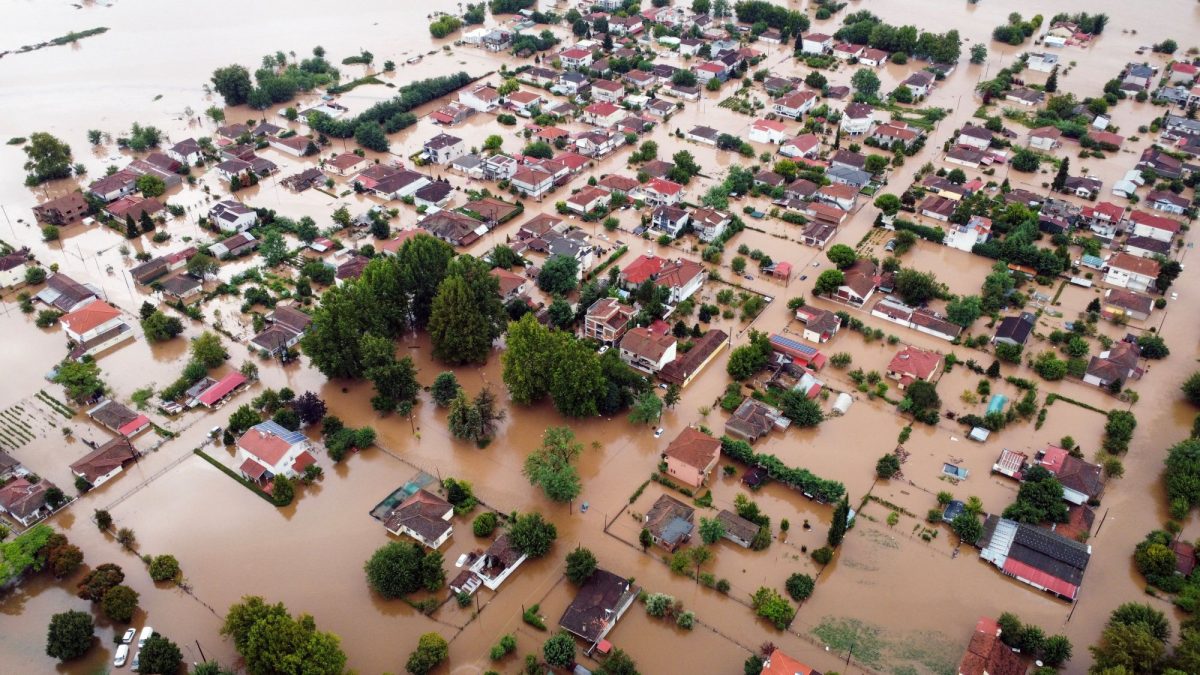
13, 276
684, 473
101, 480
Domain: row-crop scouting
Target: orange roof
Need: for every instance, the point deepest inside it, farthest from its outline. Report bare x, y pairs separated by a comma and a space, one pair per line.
919, 363
266, 447
694, 448
779, 663
90, 316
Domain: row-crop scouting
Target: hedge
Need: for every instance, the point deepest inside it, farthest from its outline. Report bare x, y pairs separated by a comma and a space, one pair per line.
232, 474
801, 479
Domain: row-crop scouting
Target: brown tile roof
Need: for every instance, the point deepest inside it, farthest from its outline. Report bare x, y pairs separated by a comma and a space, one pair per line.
646, 344
421, 513
104, 459
694, 448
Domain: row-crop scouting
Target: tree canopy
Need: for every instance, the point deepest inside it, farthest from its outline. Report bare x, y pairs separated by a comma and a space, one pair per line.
272, 642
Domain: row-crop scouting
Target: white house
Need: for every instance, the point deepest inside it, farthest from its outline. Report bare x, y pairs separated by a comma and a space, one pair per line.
1155, 227
709, 223
647, 350
268, 450
12, 268
1042, 62
964, 237
483, 98
575, 58
767, 131
91, 321
858, 119
816, 43
531, 181
794, 104
660, 191
804, 145
588, 199
424, 516
1131, 272
1044, 138
186, 151
444, 148
105, 462
232, 215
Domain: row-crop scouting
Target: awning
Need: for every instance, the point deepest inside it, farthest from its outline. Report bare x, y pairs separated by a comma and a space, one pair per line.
252, 469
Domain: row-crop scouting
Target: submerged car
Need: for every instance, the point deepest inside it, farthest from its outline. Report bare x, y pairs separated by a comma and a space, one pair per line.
122, 655
128, 636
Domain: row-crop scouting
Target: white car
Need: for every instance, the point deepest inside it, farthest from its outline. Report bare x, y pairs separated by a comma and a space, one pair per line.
128, 636
658, 432
146, 633
122, 655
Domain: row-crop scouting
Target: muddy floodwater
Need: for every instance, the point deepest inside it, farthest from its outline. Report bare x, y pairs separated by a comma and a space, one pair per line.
907, 603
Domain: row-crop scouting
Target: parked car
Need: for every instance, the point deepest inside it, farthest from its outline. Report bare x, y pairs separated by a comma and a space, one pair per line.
137, 661
146, 633
890, 246
128, 636
658, 432
122, 655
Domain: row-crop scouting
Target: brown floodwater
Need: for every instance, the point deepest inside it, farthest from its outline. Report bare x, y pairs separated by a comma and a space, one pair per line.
309, 555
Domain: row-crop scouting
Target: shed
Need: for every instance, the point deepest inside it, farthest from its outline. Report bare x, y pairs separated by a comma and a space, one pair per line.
978, 434
842, 404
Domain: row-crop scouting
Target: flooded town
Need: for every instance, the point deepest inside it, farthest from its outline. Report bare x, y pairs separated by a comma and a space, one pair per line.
600, 336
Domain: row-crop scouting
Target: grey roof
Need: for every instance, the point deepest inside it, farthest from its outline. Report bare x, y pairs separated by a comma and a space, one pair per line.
850, 176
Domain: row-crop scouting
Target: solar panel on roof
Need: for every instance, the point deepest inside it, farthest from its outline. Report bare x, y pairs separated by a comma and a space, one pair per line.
273, 428
793, 345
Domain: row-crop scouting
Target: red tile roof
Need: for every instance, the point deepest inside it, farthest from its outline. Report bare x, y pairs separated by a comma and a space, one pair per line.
643, 268
221, 389
90, 316
267, 448
694, 448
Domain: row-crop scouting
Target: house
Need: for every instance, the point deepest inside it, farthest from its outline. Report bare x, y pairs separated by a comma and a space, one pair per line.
234, 168
114, 186
1035, 556
575, 58
737, 529
13, 267
692, 456
816, 43
670, 522
133, 207
919, 83
105, 462
1106, 139
1119, 303
661, 107
596, 143
1043, 62
1137, 76
920, 319
966, 156
1015, 330
285, 326
295, 146
187, 151
1147, 247
687, 366
1081, 480
1155, 227
858, 119
234, 246
1131, 272
938, 208
497, 563
803, 146
660, 191
890, 133
1182, 73
859, 282
646, 350
588, 199
607, 320
433, 195
424, 516
845, 51
703, 134
181, 287
345, 164
25, 501
1161, 200
598, 605
639, 78
1083, 186
63, 210
607, 91
232, 215
1185, 557
820, 325
988, 655
913, 363
65, 294
709, 223
845, 197
1025, 96
682, 277
483, 98
778, 663
1045, 138
754, 419
977, 230
669, 220
454, 228
767, 131
444, 148
267, 450
710, 70
973, 136
531, 181
1115, 366
1160, 163
118, 418
95, 327
1104, 218
794, 104
215, 393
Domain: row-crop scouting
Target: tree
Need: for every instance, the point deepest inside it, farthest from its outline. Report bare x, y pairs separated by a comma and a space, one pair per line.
800, 586
647, 408
445, 388
99, 581
103, 519
159, 655
119, 603
1060, 178
1127, 649
559, 275
69, 635
1153, 346
273, 248
431, 650
841, 520
800, 409
769, 604
1154, 560
887, 466
208, 350
618, 662
164, 568
580, 565
888, 203
576, 377
865, 82
1039, 499
917, 287
645, 538
399, 568
467, 313
1026, 160
711, 530
48, 159
233, 83
80, 379
841, 255
963, 310
529, 357
828, 282
271, 641
923, 395
150, 185
559, 650
530, 534
282, 490
967, 527
370, 135
978, 53
550, 468
309, 407
159, 327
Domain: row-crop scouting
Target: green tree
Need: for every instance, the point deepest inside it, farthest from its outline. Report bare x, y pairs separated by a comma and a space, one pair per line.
458, 328
559, 650
150, 185
273, 248
647, 409
800, 586
550, 466
80, 379
99, 581
865, 82
800, 409
841, 255
164, 568
967, 527
159, 327
160, 656
888, 203
431, 650
48, 159
917, 287
527, 359
370, 135
559, 275
399, 568
887, 466
233, 83
1025, 160
671, 398
581, 563
1191, 388
1127, 649
70, 635
769, 604
576, 377
208, 350
841, 518
119, 603
282, 490
963, 310
711, 530
1060, 178
978, 53
445, 388
271, 641
201, 265
530, 534
828, 282
618, 662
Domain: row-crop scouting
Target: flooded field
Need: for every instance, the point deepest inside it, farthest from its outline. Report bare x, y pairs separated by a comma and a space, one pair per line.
908, 604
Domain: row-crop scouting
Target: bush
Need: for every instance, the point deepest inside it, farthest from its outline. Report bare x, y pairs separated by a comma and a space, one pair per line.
70, 635
887, 466
686, 620
823, 555
658, 604
800, 586
484, 524
559, 650
770, 605
506, 645
431, 650
164, 568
